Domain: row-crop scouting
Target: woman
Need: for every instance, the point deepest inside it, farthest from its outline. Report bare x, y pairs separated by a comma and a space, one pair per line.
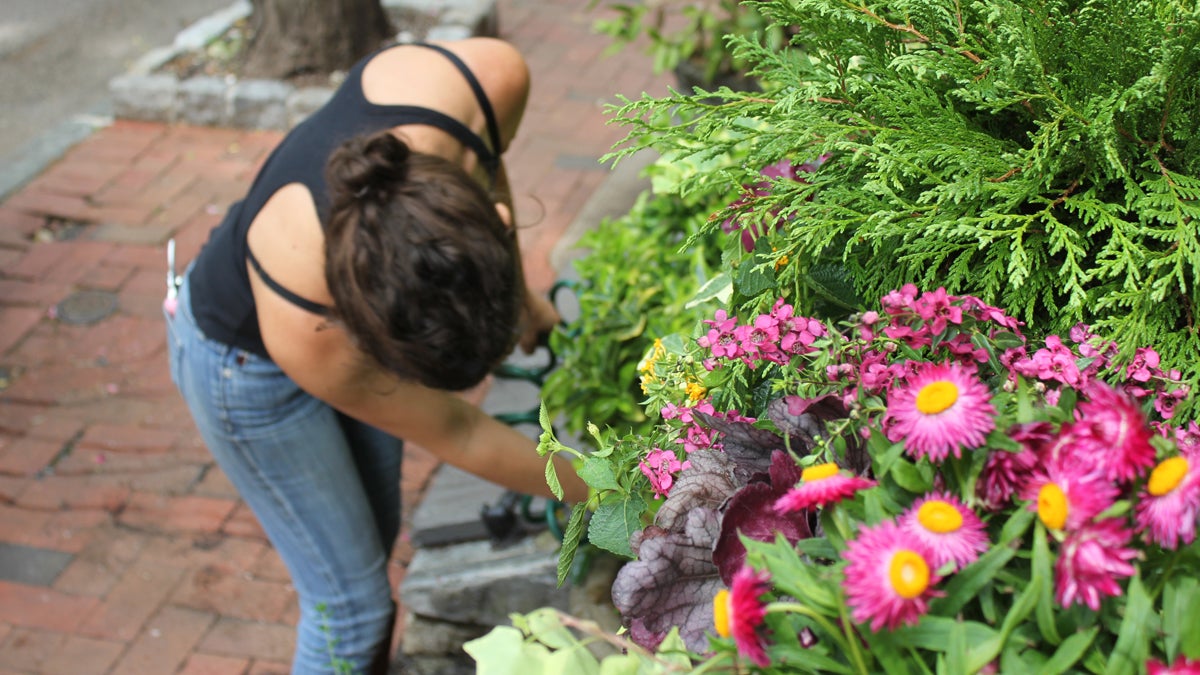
368, 278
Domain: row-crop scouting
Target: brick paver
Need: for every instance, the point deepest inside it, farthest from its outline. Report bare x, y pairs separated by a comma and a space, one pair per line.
168, 571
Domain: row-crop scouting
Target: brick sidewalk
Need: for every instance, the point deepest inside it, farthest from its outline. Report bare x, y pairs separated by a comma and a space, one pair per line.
123, 549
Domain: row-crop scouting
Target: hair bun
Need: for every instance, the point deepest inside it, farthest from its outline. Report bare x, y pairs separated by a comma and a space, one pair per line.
366, 164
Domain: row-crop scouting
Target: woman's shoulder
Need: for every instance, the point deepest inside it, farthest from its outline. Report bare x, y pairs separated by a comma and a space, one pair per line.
487, 58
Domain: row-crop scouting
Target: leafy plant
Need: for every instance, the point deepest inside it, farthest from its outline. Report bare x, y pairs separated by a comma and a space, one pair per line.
1044, 156
918, 489
687, 33
637, 281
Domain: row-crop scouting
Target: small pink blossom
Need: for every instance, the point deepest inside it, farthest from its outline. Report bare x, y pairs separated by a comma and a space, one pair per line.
1090, 563
661, 467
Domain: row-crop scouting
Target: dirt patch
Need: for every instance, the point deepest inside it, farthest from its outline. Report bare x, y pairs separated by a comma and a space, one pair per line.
222, 57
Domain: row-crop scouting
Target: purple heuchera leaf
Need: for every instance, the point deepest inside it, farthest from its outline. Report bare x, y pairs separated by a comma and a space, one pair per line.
750, 512
672, 583
708, 481
748, 446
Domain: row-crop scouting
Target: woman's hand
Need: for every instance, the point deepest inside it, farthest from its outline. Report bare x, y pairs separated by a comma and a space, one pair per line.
539, 317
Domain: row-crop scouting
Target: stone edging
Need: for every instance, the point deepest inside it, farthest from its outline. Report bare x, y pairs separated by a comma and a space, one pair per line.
144, 93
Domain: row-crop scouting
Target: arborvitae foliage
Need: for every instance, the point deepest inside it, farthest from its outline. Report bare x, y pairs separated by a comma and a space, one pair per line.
1041, 154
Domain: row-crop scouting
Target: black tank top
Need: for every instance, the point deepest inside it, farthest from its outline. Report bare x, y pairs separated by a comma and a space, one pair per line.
219, 286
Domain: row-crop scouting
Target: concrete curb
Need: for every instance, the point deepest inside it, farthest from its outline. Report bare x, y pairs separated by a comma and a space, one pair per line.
147, 94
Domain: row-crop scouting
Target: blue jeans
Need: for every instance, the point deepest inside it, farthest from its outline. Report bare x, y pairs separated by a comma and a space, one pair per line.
325, 488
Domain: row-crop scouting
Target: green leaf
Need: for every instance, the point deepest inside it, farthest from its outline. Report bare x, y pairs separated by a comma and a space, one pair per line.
574, 661
1068, 653
1132, 649
598, 474
552, 478
969, 581
615, 521
956, 649
570, 544
933, 633
719, 288
908, 476
504, 651
1044, 574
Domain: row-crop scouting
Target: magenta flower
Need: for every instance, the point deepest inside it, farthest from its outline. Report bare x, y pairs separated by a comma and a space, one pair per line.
661, 467
889, 577
759, 340
1066, 495
1119, 431
721, 339
940, 410
1054, 363
739, 612
1002, 477
1090, 562
1167, 507
1005, 473
948, 530
937, 310
1181, 666
821, 485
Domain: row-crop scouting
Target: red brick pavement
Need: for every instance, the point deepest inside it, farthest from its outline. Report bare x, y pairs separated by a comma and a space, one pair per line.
165, 570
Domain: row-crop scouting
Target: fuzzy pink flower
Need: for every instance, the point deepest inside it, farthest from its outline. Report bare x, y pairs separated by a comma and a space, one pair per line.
1090, 562
1002, 477
1066, 495
941, 409
889, 577
1167, 507
950, 531
821, 485
1119, 431
739, 612
1181, 666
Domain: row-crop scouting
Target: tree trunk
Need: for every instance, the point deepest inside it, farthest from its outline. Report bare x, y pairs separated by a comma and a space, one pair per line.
297, 37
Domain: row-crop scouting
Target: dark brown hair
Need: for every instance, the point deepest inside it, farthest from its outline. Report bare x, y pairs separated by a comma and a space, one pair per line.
424, 274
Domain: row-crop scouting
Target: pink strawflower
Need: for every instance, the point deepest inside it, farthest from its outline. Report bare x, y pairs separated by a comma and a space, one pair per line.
739, 612
889, 577
661, 467
1002, 477
1181, 666
950, 531
1119, 431
1090, 562
941, 409
821, 485
1169, 503
1066, 495
1005, 472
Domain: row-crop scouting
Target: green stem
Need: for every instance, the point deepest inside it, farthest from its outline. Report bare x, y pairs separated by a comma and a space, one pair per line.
855, 648
844, 640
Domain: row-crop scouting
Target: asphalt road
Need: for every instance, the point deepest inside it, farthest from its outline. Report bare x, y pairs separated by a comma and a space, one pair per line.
57, 56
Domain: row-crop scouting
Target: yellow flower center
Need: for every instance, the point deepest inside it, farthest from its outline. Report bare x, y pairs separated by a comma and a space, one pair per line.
695, 391
1052, 506
939, 516
936, 397
1167, 476
721, 612
819, 472
909, 574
